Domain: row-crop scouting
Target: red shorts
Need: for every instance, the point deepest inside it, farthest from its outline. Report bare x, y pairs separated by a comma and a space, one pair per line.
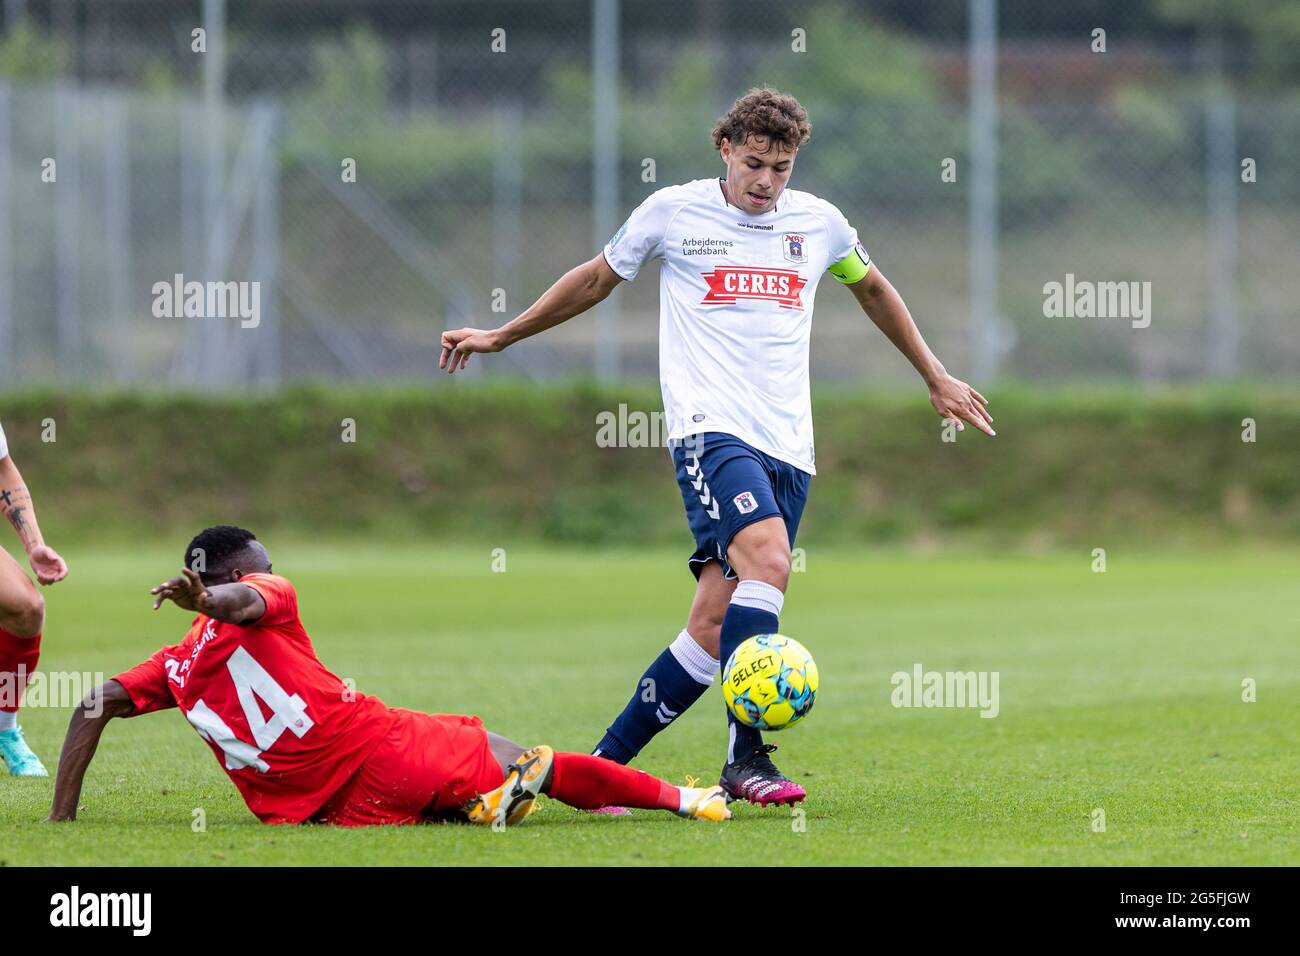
427, 764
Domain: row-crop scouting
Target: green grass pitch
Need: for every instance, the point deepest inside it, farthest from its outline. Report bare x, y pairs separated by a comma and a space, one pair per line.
1120, 691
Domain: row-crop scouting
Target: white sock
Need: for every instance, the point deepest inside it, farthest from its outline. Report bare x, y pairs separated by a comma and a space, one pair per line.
8, 720
759, 595
694, 659
688, 795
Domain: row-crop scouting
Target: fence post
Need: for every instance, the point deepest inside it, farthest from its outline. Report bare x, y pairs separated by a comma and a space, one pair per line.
266, 255
8, 360
213, 367
117, 231
983, 222
507, 198
605, 139
67, 231
1221, 172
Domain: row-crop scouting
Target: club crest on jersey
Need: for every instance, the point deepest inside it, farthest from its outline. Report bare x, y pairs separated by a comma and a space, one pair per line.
728, 284
745, 502
794, 247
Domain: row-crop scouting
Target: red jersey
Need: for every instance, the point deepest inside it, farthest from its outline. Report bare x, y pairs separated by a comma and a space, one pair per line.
287, 731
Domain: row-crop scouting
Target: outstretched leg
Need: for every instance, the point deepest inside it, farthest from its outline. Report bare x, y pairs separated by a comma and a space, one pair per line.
585, 782
678, 677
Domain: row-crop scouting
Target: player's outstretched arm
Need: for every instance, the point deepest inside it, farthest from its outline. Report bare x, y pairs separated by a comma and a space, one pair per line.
229, 603
576, 291
16, 504
951, 397
101, 705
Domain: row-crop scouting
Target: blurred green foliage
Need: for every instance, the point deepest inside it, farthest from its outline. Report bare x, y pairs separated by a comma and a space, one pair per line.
882, 104
1268, 32
30, 55
868, 79
883, 117
471, 459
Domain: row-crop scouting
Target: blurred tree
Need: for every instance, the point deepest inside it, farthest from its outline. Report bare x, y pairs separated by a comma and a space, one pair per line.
1270, 28
28, 55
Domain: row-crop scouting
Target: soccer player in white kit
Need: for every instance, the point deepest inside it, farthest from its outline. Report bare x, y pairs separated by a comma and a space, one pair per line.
742, 257
22, 613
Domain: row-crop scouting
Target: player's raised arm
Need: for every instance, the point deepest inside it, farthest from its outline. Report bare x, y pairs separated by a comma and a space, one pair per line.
576, 291
951, 397
101, 705
229, 603
16, 505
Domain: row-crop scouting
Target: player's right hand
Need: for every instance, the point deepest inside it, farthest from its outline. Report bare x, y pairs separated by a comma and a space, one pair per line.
955, 400
459, 344
187, 591
49, 567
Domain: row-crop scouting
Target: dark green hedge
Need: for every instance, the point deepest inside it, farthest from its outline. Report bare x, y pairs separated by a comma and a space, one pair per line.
462, 458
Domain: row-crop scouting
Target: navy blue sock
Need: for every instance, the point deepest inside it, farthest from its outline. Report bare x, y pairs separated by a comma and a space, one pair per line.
676, 679
755, 608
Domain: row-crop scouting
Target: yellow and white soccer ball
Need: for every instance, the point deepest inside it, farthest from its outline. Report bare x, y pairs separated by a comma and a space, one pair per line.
770, 682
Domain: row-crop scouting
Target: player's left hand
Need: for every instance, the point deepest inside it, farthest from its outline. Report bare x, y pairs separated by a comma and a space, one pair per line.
459, 344
186, 591
953, 398
47, 564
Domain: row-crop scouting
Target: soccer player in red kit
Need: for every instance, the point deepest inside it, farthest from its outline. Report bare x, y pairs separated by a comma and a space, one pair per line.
22, 613
301, 746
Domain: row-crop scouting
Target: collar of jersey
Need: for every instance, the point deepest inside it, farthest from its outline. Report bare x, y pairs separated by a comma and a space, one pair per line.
726, 203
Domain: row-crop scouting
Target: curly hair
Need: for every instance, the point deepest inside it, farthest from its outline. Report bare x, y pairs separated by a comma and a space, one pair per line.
220, 547
764, 112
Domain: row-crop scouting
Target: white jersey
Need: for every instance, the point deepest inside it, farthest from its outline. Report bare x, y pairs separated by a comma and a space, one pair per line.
735, 309
4, 446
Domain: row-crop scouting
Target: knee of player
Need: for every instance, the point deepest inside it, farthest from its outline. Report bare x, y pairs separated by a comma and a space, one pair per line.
28, 619
774, 567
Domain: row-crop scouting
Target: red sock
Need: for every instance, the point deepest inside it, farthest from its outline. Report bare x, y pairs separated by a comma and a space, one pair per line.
18, 657
587, 782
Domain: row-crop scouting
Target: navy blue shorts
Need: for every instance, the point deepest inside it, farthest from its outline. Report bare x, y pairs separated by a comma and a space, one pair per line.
727, 484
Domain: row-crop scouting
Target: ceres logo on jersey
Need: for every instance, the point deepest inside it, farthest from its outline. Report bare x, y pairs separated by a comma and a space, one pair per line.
727, 284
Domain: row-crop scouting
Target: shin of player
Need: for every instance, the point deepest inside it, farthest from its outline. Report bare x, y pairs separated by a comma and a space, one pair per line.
22, 613
586, 782
760, 555
677, 678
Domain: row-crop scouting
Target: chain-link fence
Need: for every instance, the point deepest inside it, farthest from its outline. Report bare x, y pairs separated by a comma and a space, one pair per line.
362, 175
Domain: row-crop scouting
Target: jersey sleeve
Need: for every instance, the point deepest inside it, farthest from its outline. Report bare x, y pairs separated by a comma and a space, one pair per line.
280, 597
848, 259
146, 684
641, 238
4, 445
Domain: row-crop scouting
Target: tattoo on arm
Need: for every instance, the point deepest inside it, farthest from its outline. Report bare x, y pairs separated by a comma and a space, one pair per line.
16, 504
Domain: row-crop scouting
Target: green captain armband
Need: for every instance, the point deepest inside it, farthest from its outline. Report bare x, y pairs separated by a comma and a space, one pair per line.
853, 267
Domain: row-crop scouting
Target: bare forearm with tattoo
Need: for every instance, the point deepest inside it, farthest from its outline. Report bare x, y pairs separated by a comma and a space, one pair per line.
17, 508
16, 505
